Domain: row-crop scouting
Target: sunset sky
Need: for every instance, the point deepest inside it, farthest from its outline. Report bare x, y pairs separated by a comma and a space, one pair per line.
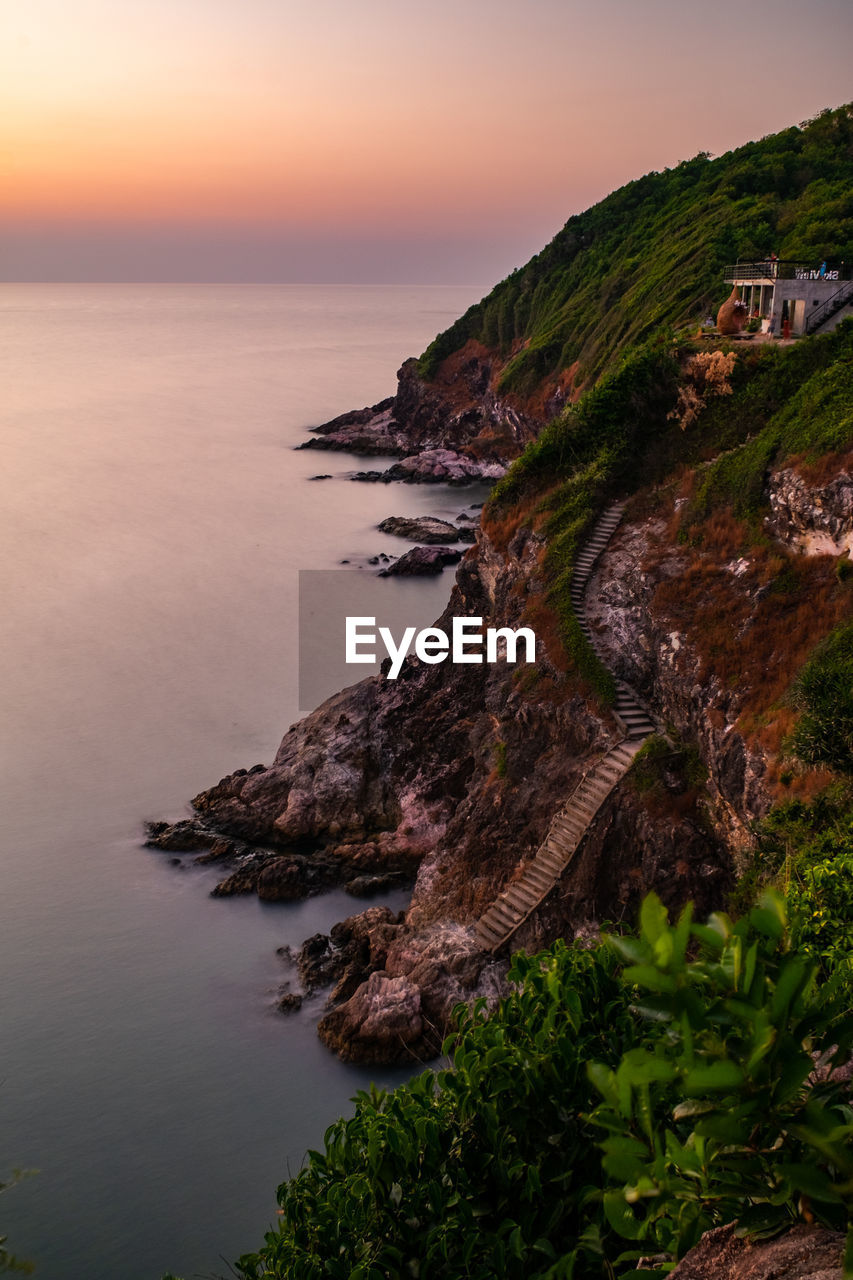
343, 141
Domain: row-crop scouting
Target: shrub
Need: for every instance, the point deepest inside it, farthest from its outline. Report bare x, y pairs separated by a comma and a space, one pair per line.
693, 1075
715, 1118
823, 692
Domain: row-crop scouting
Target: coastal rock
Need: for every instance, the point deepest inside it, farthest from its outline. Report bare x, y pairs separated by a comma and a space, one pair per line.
437, 466
404, 1009
390, 775
803, 1253
458, 772
179, 837
424, 529
421, 561
290, 1001
381, 1022
367, 886
459, 412
354, 948
369, 431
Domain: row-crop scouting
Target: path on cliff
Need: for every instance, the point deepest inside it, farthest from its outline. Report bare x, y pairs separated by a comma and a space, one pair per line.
571, 823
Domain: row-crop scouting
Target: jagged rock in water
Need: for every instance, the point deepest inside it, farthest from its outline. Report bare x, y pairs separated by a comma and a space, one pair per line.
426, 529
382, 1022
437, 466
422, 561
430, 971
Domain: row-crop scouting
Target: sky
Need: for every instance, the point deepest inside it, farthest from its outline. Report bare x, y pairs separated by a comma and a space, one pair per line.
370, 141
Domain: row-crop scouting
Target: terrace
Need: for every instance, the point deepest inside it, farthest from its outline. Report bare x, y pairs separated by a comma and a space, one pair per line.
793, 298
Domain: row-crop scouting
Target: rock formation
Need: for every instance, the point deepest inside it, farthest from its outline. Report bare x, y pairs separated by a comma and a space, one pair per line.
804, 1253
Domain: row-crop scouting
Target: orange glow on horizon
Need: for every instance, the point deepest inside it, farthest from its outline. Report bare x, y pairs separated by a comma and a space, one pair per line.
381, 115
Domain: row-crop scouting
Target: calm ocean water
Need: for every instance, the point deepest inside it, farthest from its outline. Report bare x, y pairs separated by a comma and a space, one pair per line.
154, 517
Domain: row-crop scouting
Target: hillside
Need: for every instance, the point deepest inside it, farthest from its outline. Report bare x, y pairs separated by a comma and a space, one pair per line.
652, 254
722, 598
648, 259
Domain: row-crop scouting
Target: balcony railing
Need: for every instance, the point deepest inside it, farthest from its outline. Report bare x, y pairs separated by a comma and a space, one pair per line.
785, 269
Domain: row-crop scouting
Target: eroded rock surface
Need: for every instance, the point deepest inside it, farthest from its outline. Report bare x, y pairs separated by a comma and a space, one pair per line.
403, 1010
804, 1253
816, 517
458, 412
437, 466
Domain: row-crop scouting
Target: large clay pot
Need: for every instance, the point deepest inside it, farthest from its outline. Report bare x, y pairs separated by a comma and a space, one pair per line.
732, 315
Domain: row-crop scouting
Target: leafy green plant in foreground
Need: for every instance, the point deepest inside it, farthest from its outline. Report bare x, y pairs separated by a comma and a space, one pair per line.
599, 1115
718, 1116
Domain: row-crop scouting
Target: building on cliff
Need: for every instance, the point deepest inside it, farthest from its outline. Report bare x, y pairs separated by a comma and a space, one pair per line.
804, 297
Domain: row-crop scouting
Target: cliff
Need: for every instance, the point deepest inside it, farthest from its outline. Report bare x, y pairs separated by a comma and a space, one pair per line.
454, 773
725, 574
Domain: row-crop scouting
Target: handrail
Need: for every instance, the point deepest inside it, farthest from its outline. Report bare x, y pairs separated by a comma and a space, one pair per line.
828, 308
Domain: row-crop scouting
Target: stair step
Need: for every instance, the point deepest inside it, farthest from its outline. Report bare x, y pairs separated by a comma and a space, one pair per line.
587, 796
564, 842
598, 781
502, 913
571, 827
569, 821
486, 931
488, 941
608, 769
561, 846
536, 872
540, 880
503, 928
521, 898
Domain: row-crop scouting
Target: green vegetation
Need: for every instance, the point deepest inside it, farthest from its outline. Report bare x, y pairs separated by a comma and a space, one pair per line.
652, 253
823, 691
617, 1103
807, 849
791, 402
660, 757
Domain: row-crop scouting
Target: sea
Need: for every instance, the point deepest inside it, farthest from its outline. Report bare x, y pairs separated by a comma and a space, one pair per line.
155, 516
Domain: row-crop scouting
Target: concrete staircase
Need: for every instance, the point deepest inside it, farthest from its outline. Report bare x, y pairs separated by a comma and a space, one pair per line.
571, 823
631, 715
568, 828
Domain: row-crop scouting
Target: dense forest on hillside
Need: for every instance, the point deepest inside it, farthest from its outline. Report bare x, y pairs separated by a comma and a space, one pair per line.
652, 254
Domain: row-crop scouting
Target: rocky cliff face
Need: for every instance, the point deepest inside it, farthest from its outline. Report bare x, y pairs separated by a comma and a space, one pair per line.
457, 420
711, 637
813, 514
456, 771
451, 774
